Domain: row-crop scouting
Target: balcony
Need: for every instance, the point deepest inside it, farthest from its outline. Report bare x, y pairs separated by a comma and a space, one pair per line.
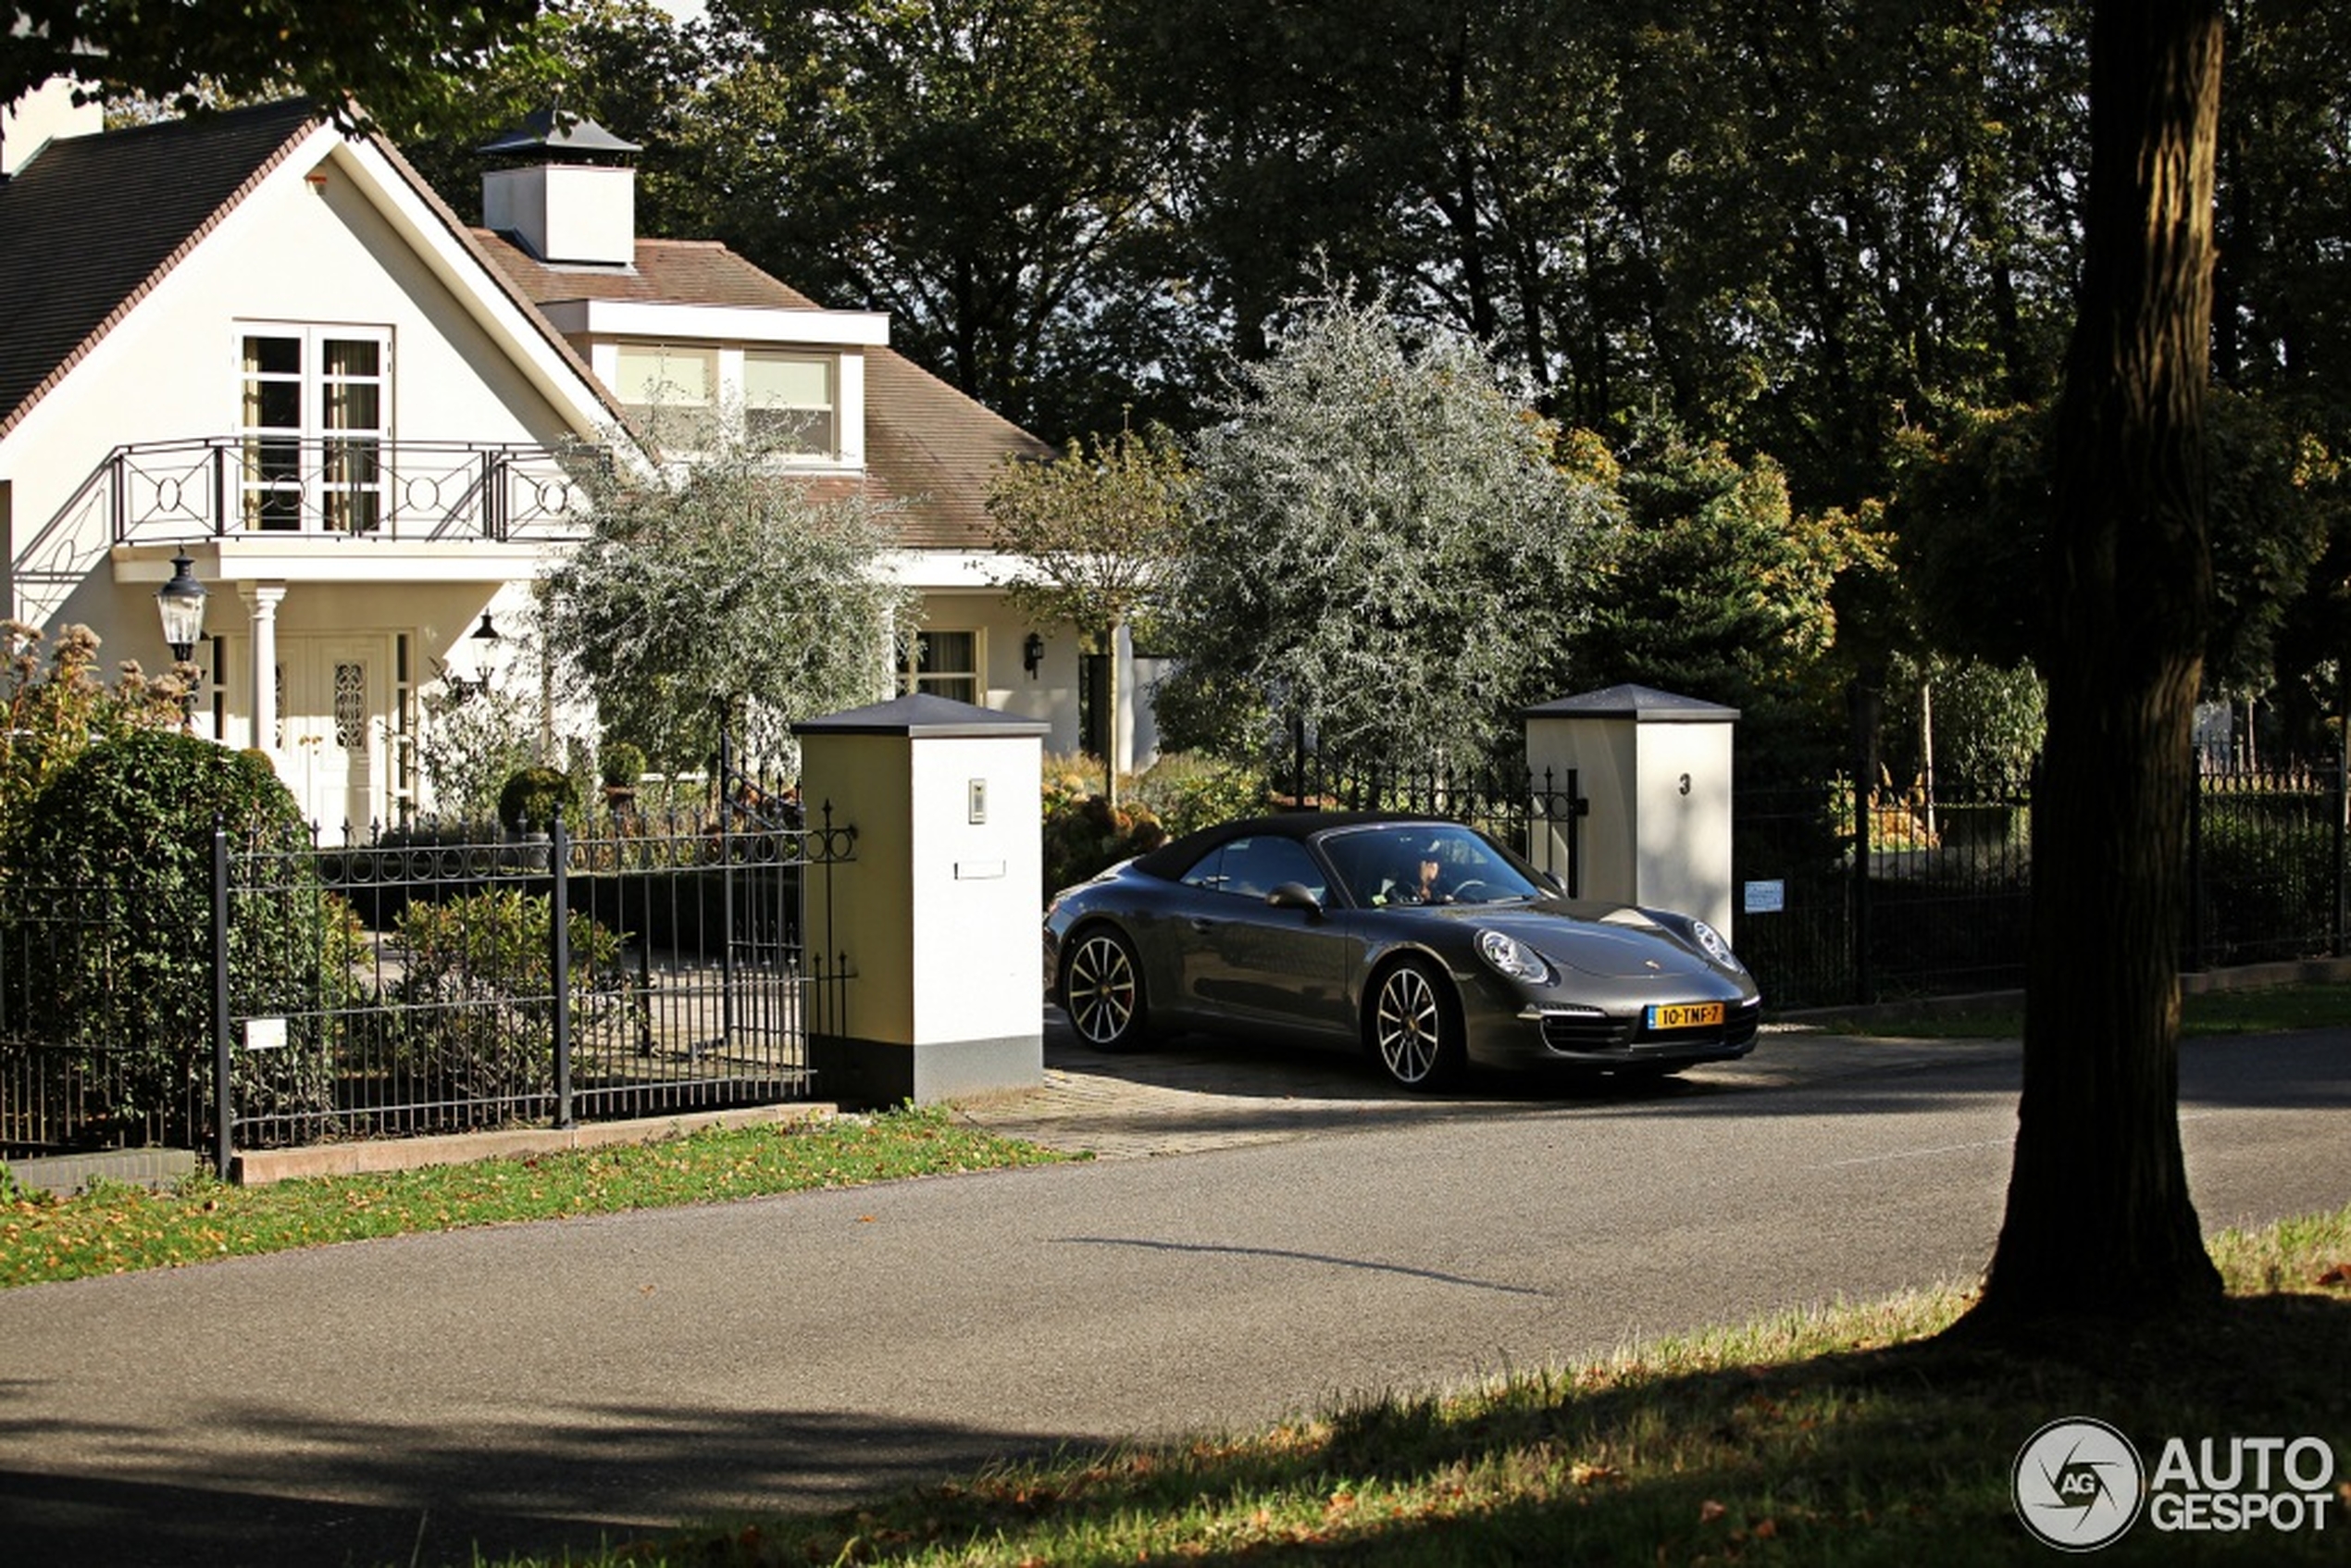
267, 487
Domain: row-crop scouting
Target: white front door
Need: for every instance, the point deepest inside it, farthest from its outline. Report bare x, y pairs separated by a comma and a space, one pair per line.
332, 696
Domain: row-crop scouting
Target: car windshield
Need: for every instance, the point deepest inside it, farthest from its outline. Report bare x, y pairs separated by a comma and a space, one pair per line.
1423, 863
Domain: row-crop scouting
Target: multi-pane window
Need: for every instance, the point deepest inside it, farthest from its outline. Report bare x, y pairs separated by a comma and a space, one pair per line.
788, 403
946, 664
671, 393
316, 407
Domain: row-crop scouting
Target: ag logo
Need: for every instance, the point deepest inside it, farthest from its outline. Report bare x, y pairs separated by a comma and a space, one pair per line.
2077, 1484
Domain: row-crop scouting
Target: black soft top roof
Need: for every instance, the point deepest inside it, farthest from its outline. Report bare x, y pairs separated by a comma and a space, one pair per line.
1171, 860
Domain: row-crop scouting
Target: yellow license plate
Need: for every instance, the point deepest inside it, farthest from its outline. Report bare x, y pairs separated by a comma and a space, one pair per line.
1685, 1015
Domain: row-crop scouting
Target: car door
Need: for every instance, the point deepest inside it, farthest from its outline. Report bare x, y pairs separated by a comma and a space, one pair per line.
1247, 960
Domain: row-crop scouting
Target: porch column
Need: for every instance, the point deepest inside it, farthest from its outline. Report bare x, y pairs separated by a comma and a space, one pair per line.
262, 599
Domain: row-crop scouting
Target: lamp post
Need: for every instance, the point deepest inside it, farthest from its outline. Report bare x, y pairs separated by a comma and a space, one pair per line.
179, 604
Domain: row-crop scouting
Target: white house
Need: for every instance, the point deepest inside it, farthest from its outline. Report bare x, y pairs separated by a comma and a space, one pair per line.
268, 345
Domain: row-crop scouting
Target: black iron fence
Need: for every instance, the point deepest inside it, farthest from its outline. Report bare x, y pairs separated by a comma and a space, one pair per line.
435, 979
1845, 895
1537, 813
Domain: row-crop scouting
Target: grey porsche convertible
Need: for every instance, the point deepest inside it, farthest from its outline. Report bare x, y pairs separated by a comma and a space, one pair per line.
1421, 940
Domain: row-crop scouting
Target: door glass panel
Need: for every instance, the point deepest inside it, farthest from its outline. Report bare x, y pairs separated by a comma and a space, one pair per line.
351, 706
317, 411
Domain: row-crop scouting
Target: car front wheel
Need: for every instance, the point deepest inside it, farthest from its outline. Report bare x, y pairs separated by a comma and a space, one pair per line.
1412, 1028
1102, 991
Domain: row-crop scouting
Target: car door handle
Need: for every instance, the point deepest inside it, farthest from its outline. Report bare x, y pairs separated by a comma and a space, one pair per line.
1202, 925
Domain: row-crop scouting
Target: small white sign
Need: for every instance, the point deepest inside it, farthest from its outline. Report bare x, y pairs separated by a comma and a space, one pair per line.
265, 1034
1766, 898
979, 871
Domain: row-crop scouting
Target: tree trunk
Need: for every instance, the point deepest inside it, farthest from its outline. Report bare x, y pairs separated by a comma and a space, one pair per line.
2099, 1221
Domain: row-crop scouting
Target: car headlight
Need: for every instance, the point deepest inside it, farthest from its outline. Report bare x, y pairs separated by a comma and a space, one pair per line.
1510, 956
1709, 938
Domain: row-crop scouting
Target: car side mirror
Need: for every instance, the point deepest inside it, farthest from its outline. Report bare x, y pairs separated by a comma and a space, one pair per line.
1552, 880
1293, 895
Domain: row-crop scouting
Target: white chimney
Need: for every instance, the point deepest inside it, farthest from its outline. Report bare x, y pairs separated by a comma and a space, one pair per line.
563, 205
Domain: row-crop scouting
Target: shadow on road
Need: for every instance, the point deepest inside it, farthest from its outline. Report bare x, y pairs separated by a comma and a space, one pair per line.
570, 1478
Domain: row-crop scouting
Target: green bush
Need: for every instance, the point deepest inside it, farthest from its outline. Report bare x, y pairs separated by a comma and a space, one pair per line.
620, 766
535, 796
476, 991
120, 845
1088, 834
1187, 792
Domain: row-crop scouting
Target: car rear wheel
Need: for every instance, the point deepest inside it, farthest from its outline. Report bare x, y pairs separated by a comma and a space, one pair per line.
1102, 991
1412, 1027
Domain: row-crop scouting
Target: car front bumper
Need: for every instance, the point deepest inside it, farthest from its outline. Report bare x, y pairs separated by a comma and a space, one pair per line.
1573, 1036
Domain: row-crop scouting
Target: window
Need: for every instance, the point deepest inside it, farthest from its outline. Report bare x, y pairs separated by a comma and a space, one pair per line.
671, 393
788, 403
946, 664
316, 412
1254, 867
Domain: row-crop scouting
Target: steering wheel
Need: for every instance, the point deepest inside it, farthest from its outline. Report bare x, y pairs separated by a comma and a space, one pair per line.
1460, 890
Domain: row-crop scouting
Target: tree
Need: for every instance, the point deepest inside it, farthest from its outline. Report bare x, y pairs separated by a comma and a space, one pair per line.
1097, 534
2098, 1219
728, 581
960, 164
401, 56
1717, 587
1382, 547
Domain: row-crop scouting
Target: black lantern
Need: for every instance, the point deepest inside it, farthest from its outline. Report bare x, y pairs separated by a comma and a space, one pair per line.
181, 604
1032, 655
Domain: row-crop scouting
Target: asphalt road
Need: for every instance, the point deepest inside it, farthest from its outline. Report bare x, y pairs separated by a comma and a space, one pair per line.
521, 1387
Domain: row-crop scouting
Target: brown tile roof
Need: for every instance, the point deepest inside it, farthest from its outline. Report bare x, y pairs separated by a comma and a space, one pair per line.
93, 223
927, 445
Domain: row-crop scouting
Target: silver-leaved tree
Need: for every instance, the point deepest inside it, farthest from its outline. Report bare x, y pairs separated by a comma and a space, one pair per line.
726, 582
1384, 549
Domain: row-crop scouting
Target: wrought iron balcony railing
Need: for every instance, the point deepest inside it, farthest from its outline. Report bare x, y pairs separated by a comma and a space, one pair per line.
342, 486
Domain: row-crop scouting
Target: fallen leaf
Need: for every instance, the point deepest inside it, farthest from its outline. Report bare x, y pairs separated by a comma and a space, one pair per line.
1710, 1510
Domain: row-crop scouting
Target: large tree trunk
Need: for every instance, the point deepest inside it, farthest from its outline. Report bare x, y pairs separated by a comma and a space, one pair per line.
2099, 1220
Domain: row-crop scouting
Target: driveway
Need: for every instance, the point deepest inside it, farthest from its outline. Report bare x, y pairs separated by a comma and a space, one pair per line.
1199, 1092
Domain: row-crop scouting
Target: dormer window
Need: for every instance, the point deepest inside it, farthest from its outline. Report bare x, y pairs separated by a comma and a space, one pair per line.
683, 396
789, 403
671, 393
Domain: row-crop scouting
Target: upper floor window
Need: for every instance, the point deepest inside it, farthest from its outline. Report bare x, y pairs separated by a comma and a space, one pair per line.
671, 393
789, 403
315, 411
683, 396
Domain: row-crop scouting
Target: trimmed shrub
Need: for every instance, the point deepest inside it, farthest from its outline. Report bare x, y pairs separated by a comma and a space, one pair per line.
535, 796
124, 835
620, 766
478, 993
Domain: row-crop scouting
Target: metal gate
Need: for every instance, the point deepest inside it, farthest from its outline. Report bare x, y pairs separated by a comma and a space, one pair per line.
432, 983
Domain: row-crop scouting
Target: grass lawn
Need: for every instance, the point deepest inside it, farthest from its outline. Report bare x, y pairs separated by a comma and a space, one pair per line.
116, 1227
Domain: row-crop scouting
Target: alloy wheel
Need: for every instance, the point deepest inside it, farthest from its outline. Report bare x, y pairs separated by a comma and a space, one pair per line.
1101, 993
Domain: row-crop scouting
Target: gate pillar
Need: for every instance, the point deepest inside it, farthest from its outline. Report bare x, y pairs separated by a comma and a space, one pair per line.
936, 910
1657, 770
